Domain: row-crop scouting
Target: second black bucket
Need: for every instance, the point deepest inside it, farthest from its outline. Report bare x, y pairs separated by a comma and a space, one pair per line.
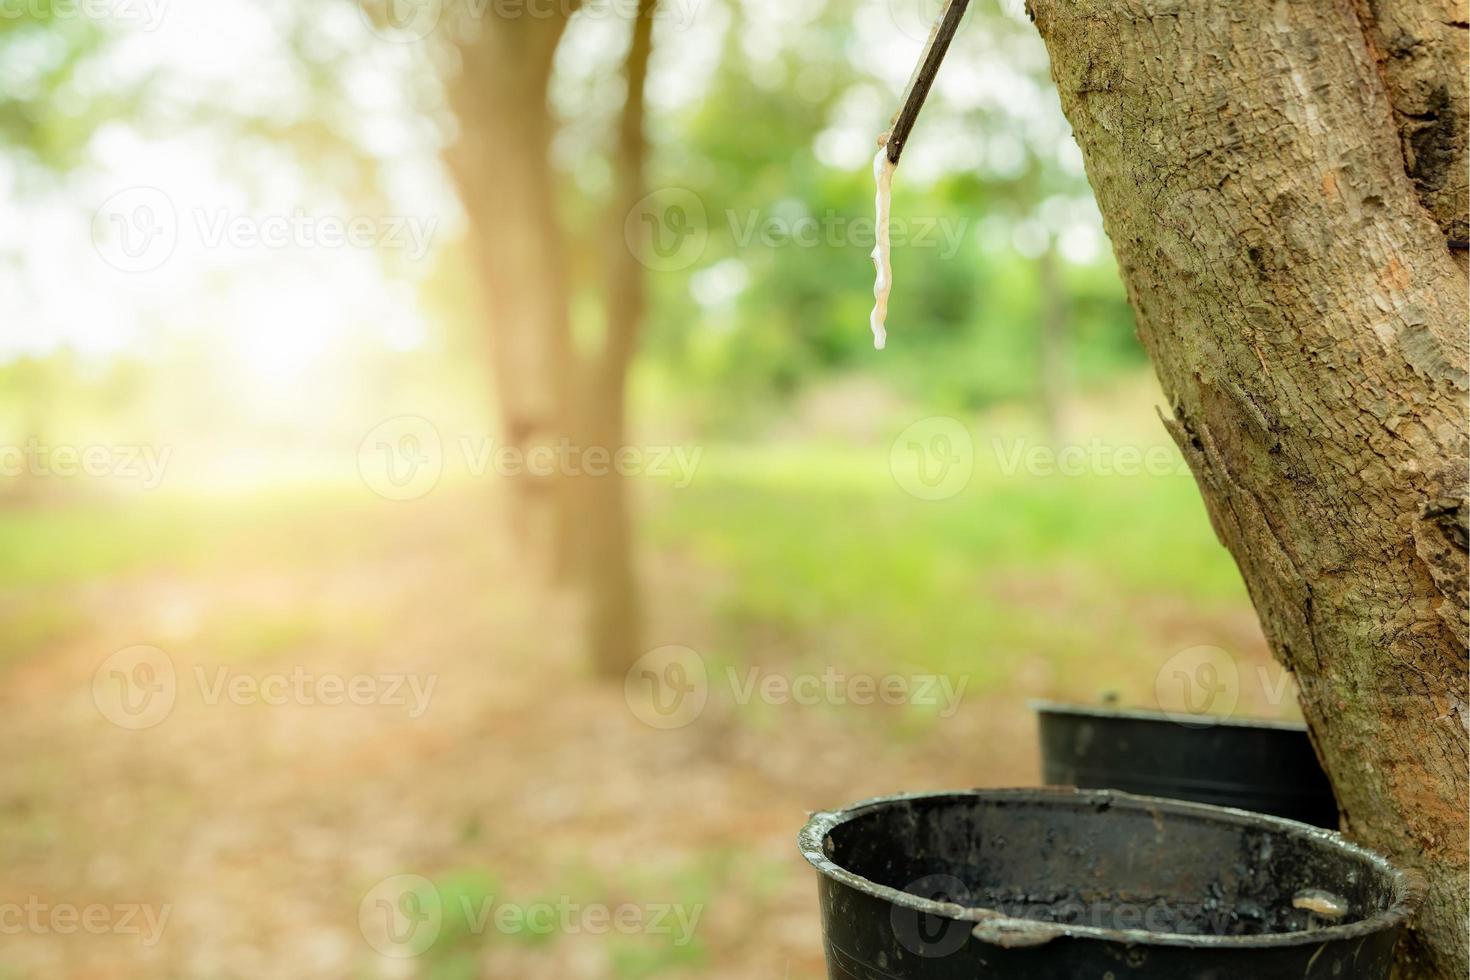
1056, 884
1262, 766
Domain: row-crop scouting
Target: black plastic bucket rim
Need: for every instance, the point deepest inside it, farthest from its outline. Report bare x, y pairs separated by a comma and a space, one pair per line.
1029, 931
1188, 720
1260, 765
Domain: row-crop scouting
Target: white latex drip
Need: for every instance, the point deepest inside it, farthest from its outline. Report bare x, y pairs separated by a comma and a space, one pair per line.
1323, 903
883, 285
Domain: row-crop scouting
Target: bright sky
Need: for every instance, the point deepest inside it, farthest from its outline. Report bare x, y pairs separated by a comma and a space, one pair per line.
160, 239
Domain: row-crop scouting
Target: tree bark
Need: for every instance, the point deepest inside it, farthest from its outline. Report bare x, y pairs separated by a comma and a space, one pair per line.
577, 525
1421, 50
1286, 259
611, 576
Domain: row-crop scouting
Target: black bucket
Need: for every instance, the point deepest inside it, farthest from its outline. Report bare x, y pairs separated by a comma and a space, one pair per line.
1262, 766
1054, 884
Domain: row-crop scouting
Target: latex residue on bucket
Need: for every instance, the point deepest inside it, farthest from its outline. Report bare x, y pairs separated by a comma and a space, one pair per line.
1320, 902
883, 285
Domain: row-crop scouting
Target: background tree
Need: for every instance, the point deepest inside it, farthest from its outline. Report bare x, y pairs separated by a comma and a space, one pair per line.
551, 391
51, 57
501, 166
1278, 181
602, 509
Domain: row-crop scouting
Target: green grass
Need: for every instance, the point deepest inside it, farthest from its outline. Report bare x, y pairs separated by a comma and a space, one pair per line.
821, 507
471, 902
96, 537
822, 540
822, 558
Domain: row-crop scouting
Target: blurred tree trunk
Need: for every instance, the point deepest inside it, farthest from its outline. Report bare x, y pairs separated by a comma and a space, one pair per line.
501, 166
578, 524
611, 579
1279, 200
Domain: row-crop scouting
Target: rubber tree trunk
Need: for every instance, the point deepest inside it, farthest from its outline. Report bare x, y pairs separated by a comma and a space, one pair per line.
501, 167
1279, 205
574, 524
610, 574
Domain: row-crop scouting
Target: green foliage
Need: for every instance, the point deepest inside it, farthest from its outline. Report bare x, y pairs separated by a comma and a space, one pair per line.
791, 234
59, 85
48, 107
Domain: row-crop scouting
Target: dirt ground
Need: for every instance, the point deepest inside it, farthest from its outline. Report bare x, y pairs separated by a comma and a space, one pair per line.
260, 829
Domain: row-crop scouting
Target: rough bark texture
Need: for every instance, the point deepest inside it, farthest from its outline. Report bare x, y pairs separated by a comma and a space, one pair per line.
1309, 326
1421, 48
